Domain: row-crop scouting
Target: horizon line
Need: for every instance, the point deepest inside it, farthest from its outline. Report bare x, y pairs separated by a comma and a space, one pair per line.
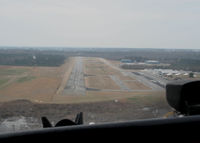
96, 47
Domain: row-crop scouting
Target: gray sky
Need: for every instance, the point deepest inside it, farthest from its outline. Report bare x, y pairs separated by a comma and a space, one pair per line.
100, 23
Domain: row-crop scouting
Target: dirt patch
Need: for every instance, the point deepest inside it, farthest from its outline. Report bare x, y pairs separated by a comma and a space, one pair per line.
46, 84
100, 82
97, 67
32, 83
138, 107
41, 88
67, 68
135, 85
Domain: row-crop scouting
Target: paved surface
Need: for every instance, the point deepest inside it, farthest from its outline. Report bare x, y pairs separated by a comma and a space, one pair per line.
153, 84
160, 81
75, 84
119, 82
146, 81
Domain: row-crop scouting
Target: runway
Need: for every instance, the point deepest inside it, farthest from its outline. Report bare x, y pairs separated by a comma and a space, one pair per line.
75, 84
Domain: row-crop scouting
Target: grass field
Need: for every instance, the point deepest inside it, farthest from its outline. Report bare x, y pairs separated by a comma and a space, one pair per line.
33, 92
100, 82
24, 79
12, 71
136, 85
31, 83
3, 81
46, 84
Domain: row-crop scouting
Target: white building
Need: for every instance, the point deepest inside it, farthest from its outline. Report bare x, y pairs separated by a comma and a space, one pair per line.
152, 62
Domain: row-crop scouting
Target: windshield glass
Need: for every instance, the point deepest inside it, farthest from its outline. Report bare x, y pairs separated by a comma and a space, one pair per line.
110, 59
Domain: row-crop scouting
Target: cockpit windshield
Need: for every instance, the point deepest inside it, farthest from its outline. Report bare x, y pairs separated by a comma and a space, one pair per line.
109, 60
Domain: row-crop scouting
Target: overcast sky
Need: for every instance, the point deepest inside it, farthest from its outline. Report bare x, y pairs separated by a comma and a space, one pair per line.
100, 23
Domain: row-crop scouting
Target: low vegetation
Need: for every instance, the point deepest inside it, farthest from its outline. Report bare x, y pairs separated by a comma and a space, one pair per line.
13, 71
3, 81
30, 58
178, 59
26, 78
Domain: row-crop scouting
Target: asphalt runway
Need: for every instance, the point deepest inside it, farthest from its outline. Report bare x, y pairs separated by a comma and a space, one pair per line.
139, 77
146, 80
75, 84
120, 83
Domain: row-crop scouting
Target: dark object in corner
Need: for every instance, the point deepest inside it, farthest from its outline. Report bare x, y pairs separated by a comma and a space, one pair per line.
184, 97
65, 122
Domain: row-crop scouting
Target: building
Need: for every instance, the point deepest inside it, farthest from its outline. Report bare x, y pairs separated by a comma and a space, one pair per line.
126, 61
152, 62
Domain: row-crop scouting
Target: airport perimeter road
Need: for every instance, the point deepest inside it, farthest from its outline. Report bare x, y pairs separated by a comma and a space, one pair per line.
160, 81
139, 77
146, 80
75, 84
